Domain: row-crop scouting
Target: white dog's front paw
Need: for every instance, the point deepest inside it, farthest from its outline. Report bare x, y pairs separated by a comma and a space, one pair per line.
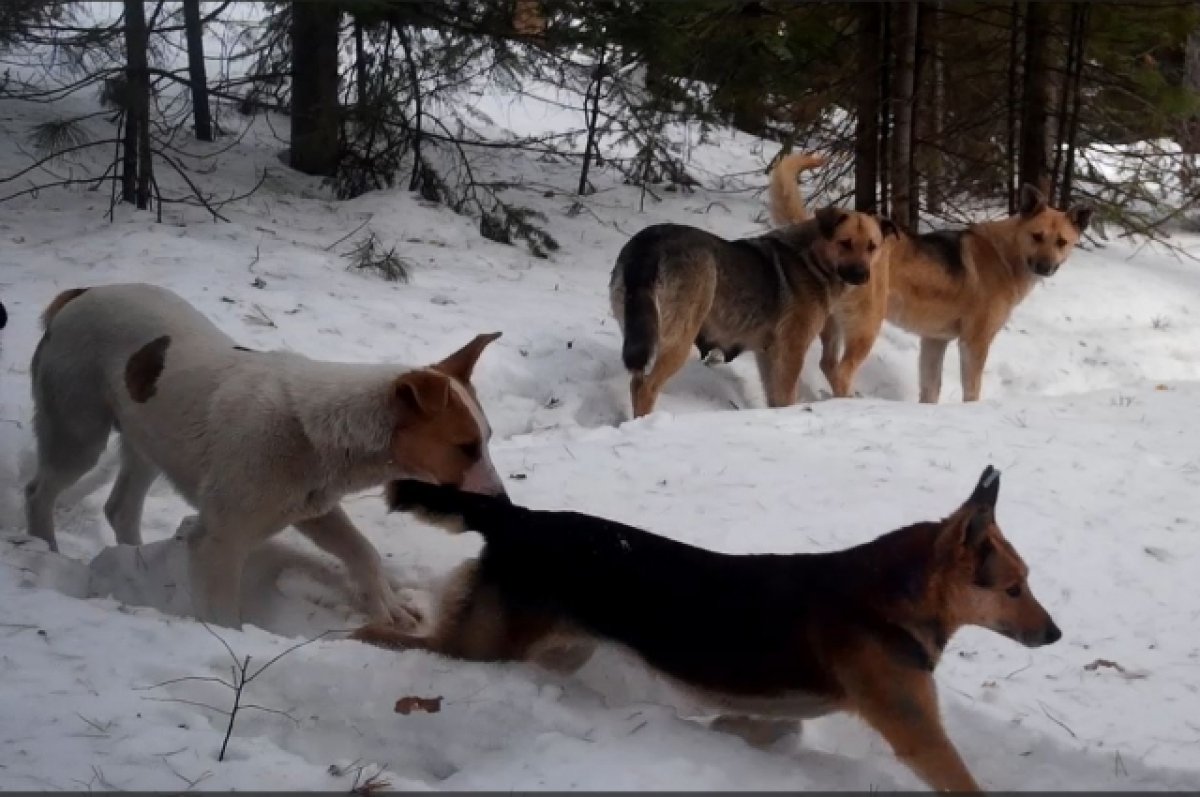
385, 606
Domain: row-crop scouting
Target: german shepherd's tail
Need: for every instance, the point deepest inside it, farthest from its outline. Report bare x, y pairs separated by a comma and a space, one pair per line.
638, 262
443, 505
786, 203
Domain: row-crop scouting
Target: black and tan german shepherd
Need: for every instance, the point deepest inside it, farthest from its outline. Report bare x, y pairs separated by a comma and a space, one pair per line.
757, 636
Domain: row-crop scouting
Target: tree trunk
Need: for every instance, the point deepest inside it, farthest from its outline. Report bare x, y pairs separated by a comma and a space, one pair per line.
137, 162
591, 119
936, 122
1063, 101
1032, 167
1068, 174
1014, 104
360, 69
315, 87
885, 107
904, 201
866, 126
194, 31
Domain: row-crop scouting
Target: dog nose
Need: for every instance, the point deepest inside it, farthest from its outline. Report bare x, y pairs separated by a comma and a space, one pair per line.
855, 274
1052, 634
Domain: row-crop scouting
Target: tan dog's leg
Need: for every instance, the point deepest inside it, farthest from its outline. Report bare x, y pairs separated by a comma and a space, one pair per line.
972, 354
124, 505
933, 355
831, 351
902, 706
672, 355
335, 534
858, 345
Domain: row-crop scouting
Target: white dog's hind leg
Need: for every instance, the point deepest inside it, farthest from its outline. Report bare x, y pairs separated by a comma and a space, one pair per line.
67, 449
124, 506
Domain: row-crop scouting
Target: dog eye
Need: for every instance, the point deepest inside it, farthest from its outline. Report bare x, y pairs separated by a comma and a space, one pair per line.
846, 245
1061, 242
1014, 591
871, 247
1038, 237
471, 450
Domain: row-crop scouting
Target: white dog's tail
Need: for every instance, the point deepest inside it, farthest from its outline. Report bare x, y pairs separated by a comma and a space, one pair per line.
786, 202
58, 303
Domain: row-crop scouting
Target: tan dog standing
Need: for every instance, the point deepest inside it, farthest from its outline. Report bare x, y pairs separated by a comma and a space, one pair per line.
959, 284
256, 441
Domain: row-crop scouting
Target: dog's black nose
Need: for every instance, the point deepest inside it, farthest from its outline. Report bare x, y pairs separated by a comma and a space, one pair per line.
1044, 269
855, 275
1052, 634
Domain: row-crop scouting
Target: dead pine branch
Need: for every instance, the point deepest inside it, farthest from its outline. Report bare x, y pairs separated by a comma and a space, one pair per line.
241, 676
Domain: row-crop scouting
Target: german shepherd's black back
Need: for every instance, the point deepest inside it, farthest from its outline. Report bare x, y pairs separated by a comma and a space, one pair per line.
739, 624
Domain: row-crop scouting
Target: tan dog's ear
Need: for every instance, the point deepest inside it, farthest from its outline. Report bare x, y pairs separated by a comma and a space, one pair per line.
1080, 216
887, 226
1030, 201
460, 364
422, 393
828, 220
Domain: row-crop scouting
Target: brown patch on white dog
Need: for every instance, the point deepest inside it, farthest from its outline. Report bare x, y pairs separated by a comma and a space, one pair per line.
144, 367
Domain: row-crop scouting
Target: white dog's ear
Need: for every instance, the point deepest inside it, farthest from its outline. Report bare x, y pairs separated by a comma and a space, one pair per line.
460, 364
422, 393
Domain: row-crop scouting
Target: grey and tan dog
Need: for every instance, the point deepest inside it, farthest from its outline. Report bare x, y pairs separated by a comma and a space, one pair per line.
256, 441
674, 286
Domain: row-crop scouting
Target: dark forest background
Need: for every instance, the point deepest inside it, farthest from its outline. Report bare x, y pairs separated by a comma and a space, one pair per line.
931, 110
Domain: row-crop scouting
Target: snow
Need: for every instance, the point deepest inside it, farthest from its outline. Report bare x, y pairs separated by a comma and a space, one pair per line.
1091, 393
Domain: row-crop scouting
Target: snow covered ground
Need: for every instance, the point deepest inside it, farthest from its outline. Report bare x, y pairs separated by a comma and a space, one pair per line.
1091, 396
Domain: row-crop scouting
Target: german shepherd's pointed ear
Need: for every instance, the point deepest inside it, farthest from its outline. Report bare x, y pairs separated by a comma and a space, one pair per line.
1080, 216
460, 364
1030, 201
982, 504
422, 394
828, 220
887, 226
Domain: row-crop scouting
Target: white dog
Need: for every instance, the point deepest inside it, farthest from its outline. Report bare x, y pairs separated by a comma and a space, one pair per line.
256, 441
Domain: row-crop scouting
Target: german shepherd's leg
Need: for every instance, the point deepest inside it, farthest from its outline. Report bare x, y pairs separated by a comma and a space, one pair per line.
760, 732
831, 350
973, 349
933, 356
470, 622
334, 533
672, 354
902, 706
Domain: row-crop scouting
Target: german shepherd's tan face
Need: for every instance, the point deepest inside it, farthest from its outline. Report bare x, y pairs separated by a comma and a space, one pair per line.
984, 581
1046, 236
852, 241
